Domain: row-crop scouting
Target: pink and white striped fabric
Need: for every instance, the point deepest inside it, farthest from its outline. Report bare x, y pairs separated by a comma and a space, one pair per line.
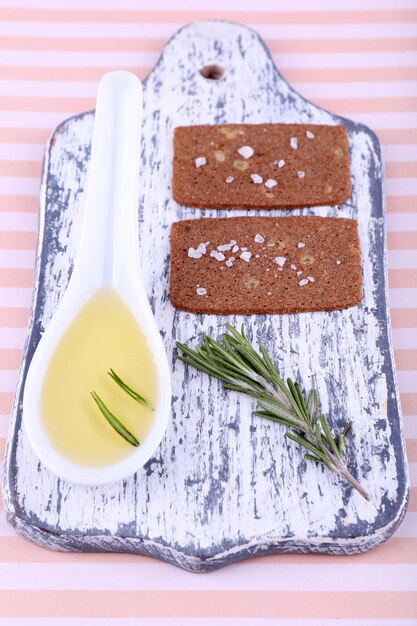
358, 59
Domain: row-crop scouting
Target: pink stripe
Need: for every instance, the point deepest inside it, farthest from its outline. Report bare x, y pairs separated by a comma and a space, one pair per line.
19, 204
402, 278
409, 403
180, 17
17, 240
16, 277
16, 549
189, 604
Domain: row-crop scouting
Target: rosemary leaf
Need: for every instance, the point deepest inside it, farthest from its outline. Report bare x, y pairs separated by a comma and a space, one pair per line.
329, 437
312, 405
241, 368
131, 392
114, 422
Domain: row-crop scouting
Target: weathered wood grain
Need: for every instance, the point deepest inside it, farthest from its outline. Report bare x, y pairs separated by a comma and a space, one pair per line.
223, 485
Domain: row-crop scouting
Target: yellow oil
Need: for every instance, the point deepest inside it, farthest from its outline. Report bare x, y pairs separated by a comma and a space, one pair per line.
103, 335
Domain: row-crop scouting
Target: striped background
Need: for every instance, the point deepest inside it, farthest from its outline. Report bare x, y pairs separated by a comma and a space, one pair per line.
359, 61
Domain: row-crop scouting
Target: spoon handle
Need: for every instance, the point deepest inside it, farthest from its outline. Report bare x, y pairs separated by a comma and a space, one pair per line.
109, 240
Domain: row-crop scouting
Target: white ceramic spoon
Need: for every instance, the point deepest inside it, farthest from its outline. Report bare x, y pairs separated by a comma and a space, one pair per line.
108, 256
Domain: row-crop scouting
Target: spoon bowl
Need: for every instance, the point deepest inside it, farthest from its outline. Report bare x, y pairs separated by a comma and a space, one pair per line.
107, 257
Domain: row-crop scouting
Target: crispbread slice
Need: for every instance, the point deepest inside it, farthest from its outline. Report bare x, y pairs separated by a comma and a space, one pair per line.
261, 165
265, 264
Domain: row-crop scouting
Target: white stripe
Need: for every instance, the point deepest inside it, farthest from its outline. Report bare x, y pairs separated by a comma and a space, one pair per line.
4, 428
410, 432
413, 469
49, 58
15, 297
407, 381
387, 89
17, 221
400, 259
17, 259
49, 89
199, 621
19, 186
104, 58
403, 298
400, 152
247, 5
401, 186
12, 338
398, 222
21, 151
33, 119
377, 121
403, 338
257, 577
8, 380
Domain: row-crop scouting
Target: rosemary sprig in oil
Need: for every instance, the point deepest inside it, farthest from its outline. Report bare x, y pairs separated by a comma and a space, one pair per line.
112, 419
114, 422
241, 368
131, 392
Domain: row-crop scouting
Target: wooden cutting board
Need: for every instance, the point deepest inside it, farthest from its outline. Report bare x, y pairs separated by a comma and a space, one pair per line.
223, 485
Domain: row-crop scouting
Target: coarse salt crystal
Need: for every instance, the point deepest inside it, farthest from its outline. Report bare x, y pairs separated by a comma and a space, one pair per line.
301, 174
309, 134
200, 161
338, 261
235, 248
280, 260
245, 256
225, 246
257, 256
270, 183
259, 238
246, 152
256, 179
232, 258
243, 249
293, 267
201, 291
311, 279
299, 273
229, 263
202, 248
301, 244
303, 282
194, 254
294, 143
217, 255
281, 163
229, 179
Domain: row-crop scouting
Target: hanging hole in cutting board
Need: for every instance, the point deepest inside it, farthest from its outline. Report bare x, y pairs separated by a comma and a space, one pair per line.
212, 72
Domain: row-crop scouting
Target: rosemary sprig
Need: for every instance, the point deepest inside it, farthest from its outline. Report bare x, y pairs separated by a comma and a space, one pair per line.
237, 364
114, 422
131, 392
